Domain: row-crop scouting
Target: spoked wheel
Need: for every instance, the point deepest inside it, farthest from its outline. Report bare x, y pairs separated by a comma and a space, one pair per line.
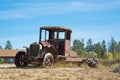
48, 60
20, 59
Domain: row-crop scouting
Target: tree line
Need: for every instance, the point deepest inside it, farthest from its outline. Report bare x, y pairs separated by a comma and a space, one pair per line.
7, 46
99, 48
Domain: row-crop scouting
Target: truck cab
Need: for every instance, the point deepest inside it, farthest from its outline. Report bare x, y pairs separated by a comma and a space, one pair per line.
58, 37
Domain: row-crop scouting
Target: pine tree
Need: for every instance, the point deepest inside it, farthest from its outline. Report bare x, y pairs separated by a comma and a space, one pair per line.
103, 48
98, 49
8, 45
89, 47
78, 46
118, 47
1, 47
112, 45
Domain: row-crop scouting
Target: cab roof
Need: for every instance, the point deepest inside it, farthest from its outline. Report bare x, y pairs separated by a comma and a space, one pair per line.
56, 28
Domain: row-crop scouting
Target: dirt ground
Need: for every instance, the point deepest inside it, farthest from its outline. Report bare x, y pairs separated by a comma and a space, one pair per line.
9, 72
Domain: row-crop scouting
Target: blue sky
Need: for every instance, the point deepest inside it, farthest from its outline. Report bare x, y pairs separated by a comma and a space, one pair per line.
20, 20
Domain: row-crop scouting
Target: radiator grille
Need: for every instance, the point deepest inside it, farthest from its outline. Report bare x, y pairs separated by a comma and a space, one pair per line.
34, 49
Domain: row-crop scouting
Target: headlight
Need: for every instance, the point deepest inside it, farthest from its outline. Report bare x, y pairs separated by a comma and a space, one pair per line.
40, 47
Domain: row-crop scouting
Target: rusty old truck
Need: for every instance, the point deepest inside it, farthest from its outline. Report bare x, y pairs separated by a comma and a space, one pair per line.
54, 44
54, 41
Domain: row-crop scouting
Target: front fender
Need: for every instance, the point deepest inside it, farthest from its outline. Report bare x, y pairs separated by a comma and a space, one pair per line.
48, 49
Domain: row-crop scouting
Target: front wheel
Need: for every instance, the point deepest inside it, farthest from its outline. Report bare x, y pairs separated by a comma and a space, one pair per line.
20, 59
48, 60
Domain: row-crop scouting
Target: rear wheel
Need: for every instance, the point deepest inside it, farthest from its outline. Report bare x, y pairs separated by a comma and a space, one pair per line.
48, 60
20, 59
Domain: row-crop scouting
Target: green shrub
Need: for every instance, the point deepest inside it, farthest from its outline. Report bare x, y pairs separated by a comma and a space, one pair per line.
115, 55
91, 55
107, 55
1, 62
107, 62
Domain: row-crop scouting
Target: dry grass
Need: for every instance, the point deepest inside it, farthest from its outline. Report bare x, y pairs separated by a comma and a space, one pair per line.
60, 71
57, 74
63, 64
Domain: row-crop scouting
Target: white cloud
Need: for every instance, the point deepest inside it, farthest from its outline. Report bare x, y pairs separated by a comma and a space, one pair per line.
11, 14
24, 10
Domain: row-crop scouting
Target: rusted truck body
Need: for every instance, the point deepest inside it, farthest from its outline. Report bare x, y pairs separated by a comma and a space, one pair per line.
54, 41
54, 44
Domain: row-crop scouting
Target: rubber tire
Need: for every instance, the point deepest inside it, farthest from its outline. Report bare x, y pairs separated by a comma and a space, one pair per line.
17, 60
48, 57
